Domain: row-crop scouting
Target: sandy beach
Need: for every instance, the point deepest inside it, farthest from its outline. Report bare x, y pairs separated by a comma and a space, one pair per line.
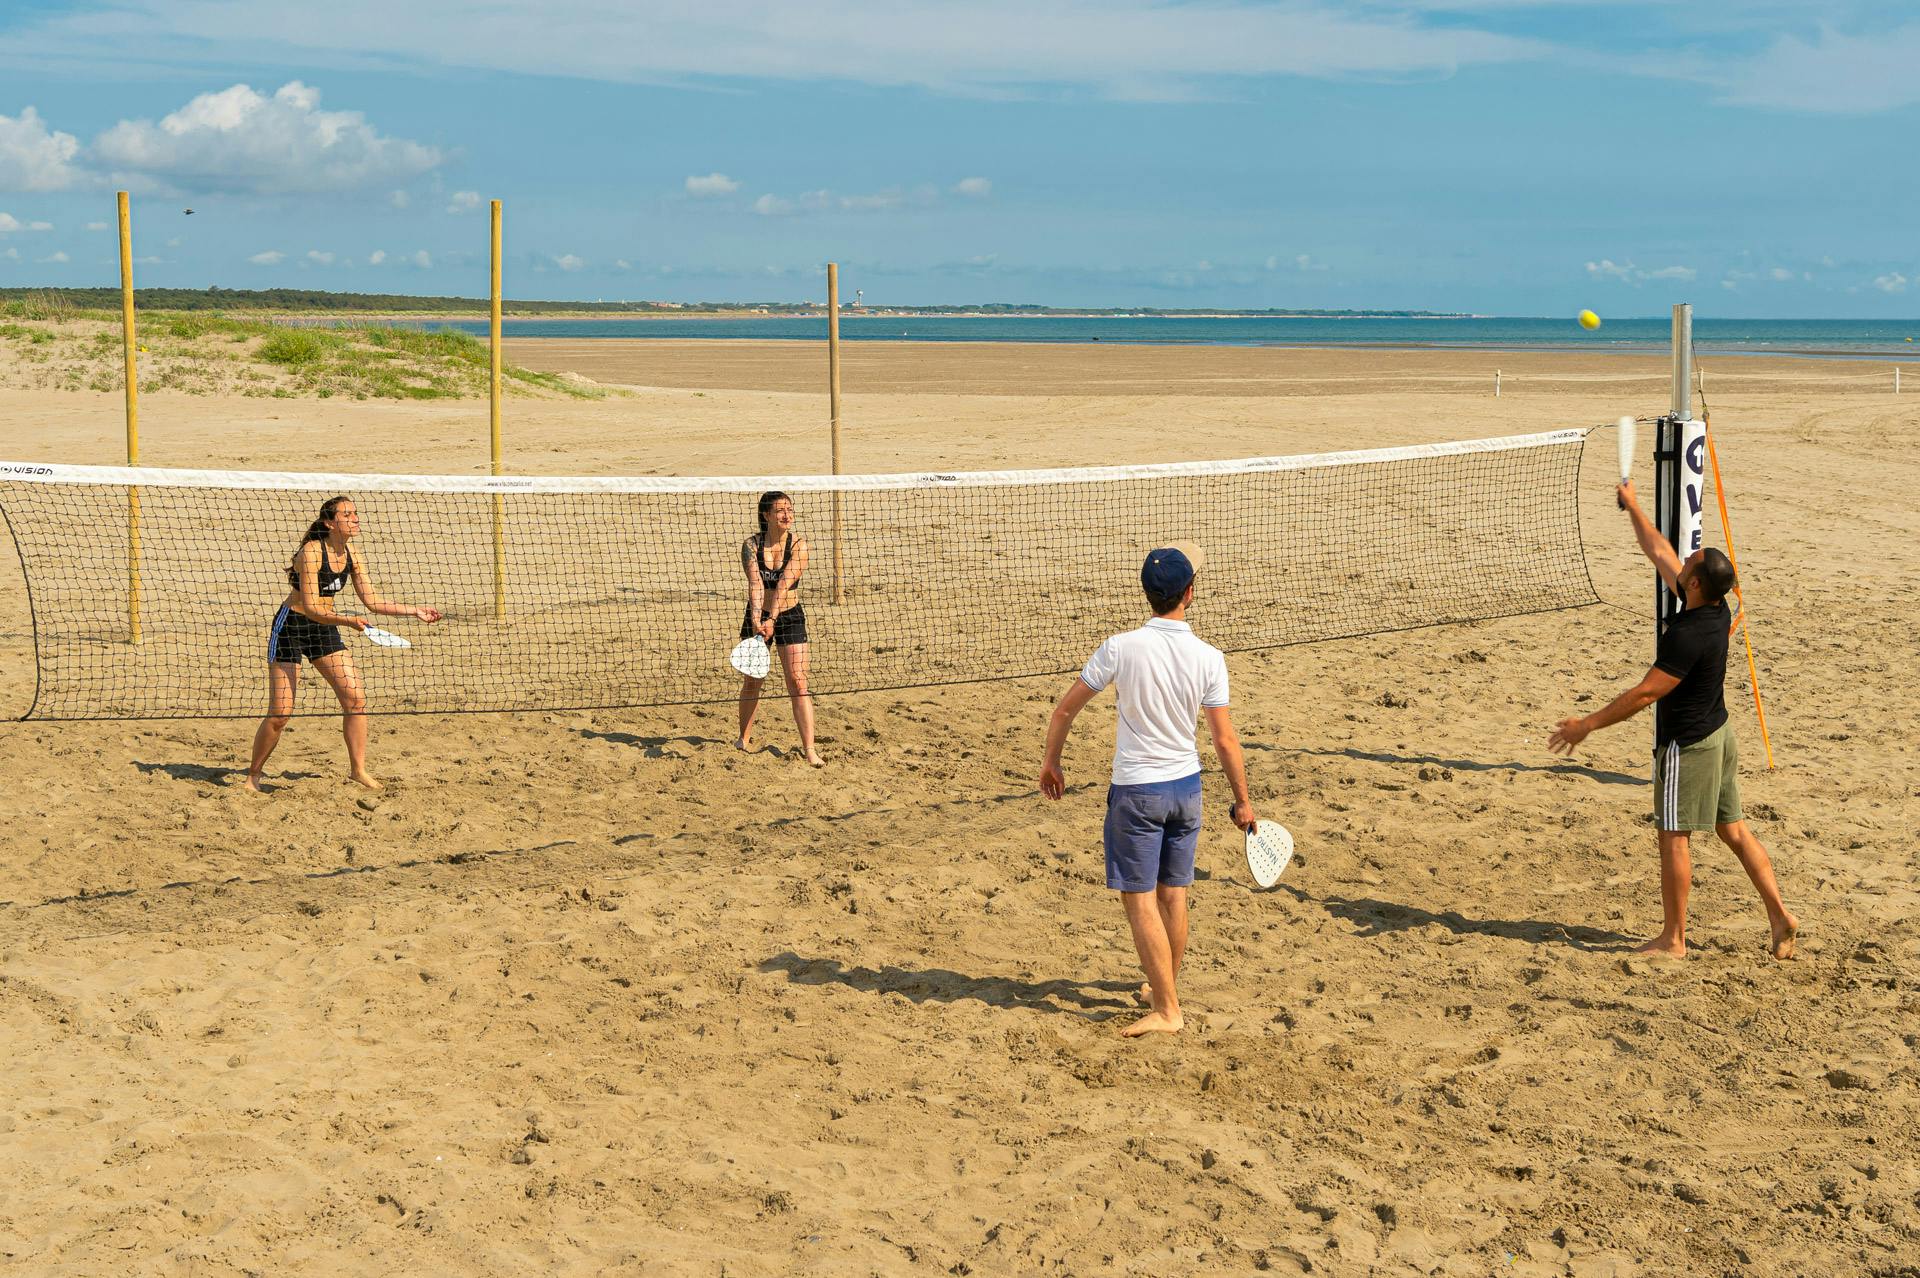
597, 993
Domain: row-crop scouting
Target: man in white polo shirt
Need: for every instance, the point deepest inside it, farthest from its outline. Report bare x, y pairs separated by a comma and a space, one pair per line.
1163, 675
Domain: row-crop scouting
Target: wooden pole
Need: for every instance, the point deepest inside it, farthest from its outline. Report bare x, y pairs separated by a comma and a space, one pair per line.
833, 407
133, 418
493, 427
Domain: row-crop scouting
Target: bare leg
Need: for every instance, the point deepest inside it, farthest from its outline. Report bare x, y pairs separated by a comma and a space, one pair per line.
749, 702
1151, 943
1676, 879
282, 678
1753, 859
338, 669
1172, 904
793, 660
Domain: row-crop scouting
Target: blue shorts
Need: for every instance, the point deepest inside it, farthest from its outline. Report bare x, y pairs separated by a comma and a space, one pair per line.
1151, 834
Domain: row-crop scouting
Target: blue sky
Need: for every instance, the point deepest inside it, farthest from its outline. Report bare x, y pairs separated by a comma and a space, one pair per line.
1526, 157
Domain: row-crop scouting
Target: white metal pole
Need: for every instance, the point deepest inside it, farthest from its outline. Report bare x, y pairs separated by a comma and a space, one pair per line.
1682, 406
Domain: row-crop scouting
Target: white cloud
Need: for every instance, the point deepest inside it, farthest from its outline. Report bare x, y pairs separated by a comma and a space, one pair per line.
1833, 73
421, 259
1779, 273
568, 262
376, 257
1123, 48
272, 257
974, 188
96, 226
9, 224
12, 255
57, 257
399, 199
318, 258
1305, 263
239, 140
711, 184
34, 157
1627, 273
464, 202
1891, 282
772, 206
876, 202
622, 264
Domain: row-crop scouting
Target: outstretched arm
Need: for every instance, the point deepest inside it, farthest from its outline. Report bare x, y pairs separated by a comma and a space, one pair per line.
363, 587
1652, 544
1226, 744
1053, 782
1571, 732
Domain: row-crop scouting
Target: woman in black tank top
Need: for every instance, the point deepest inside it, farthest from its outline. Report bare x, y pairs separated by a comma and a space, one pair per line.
774, 559
308, 626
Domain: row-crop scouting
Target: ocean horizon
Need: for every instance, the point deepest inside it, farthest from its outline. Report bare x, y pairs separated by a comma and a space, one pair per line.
1863, 339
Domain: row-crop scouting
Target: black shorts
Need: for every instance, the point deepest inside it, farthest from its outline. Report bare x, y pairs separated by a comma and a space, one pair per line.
789, 628
296, 635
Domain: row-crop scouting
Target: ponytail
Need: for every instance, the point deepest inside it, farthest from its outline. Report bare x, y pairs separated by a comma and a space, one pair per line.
316, 531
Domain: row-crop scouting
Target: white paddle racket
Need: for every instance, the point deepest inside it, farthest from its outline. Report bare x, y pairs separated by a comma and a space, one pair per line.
1269, 850
751, 657
1625, 441
386, 638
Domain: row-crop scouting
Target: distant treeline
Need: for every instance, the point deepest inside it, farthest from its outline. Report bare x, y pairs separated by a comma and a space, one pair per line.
309, 300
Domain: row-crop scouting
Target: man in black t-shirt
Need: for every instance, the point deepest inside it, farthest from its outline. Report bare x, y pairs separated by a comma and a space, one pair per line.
1695, 762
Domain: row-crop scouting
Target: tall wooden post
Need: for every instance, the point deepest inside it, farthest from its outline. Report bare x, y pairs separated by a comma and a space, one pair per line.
493, 426
833, 407
133, 418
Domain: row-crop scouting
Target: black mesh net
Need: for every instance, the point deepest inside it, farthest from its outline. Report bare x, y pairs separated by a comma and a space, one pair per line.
612, 598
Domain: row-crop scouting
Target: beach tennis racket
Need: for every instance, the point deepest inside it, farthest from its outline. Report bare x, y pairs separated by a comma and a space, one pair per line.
1626, 455
386, 638
751, 657
1269, 849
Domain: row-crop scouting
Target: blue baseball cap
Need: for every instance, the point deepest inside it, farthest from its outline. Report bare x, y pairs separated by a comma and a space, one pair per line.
1169, 570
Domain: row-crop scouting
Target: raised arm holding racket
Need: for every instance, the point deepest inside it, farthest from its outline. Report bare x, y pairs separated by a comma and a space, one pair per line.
308, 626
1164, 676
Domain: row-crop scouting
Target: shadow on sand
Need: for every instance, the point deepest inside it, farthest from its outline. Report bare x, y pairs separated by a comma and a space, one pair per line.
1374, 917
1468, 765
1088, 1000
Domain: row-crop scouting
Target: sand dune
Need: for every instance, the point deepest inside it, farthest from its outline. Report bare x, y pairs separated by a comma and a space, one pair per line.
597, 993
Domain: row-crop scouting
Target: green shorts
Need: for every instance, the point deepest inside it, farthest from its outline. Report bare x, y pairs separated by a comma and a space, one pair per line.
1696, 787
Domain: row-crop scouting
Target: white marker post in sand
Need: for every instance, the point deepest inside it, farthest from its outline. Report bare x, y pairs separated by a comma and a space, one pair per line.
1679, 466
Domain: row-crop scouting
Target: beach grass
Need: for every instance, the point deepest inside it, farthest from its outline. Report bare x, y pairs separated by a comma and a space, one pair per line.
56, 345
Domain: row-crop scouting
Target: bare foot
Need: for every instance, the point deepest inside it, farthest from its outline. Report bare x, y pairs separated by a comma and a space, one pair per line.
744, 743
1145, 993
365, 778
1784, 933
252, 783
1661, 947
814, 759
1154, 1023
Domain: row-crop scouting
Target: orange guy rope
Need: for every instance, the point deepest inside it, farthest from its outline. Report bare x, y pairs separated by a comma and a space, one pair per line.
1753, 673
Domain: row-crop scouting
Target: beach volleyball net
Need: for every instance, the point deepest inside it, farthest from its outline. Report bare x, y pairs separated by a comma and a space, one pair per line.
152, 591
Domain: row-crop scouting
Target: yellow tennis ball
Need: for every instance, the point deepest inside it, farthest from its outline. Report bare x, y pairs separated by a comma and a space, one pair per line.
1589, 320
